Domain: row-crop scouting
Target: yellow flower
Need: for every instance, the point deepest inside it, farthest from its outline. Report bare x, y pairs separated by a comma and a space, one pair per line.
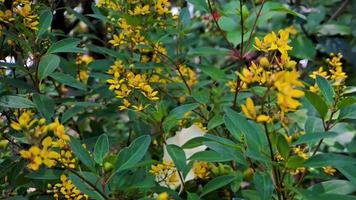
139, 108
33, 154
163, 196
319, 72
140, 10
329, 170
201, 170
166, 174
263, 118
299, 170
67, 190
126, 105
162, 7
249, 109
6, 16
300, 152
286, 83
25, 121
117, 40
58, 130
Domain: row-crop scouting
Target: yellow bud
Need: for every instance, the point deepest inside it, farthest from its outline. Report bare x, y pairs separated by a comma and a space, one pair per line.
264, 62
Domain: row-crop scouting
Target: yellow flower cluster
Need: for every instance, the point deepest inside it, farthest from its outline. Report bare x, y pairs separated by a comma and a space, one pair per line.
38, 156
186, 74
83, 69
201, 170
44, 148
250, 111
23, 10
67, 190
130, 35
166, 174
125, 81
30, 18
276, 71
335, 72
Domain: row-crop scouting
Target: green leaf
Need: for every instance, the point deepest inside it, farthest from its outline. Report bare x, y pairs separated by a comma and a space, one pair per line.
45, 174
84, 186
45, 21
68, 80
209, 51
232, 127
44, 104
66, 45
11, 101
216, 121
131, 155
199, 5
6, 165
101, 148
176, 114
193, 196
303, 48
334, 187
48, 64
227, 152
317, 102
285, 9
264, 185
325, 89
194, 142
334, 29
255, 138
349, 172
71, 112
347, 101
314, 137
326, 159
216, 183
215, 73
349, 112
210, 156
294, 162
283, 146
178, 156
310, 195
229, 23
81, 153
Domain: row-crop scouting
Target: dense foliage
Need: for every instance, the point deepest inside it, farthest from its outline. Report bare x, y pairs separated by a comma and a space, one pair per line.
159, 99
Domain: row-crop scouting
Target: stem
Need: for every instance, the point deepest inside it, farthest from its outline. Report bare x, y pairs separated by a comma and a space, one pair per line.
89, 183
255, 24
219, 28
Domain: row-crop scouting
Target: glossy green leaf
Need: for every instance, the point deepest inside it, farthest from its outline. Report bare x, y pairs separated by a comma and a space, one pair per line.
330, 159
216, 183
44, 104
66, 45
325, 89
283, 146
264, 185
68, 80
178, 156
318, 103
82, 153
314, 137
48, 64
12, 101
129, 156
101, 148
45, 21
